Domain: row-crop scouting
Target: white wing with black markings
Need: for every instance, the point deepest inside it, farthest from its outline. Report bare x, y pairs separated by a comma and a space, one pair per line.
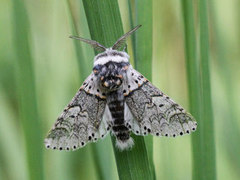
150, 111
81, 121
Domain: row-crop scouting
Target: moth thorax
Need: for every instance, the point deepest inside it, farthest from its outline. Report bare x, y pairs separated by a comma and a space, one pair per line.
111, 56
111, 74
112, 82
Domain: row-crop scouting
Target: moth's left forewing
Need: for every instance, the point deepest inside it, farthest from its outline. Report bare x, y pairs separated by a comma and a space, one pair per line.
153, 111
92, 86
81, 121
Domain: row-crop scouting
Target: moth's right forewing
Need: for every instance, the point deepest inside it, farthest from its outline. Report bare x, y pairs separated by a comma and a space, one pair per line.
157, 114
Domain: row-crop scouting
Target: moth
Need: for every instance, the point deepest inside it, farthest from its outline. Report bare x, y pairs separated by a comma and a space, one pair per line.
118, 99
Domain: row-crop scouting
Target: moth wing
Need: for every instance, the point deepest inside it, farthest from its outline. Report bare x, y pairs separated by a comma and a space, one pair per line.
91, 86
153, 112
81, 122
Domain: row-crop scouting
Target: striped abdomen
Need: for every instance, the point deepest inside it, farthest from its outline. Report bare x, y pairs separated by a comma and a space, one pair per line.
116, 107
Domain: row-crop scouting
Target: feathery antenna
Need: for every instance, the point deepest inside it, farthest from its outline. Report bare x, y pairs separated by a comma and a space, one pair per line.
122, 40
96, 45
119, 43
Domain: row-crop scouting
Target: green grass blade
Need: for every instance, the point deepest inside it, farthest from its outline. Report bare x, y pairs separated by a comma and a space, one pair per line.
199, 92
26, 91
106, 27
207, 125
131, 13
143, 38
194, 86
143, 54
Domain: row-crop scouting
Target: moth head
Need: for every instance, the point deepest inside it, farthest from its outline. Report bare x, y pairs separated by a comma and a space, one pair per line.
113, 53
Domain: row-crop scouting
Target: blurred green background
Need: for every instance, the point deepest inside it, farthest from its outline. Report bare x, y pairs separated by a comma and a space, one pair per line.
31, 100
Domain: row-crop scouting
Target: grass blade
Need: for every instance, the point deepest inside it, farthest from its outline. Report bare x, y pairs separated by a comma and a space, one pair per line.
106, 27
207, 126
199, 92
131, 13
26, 92
143, 38
194, 86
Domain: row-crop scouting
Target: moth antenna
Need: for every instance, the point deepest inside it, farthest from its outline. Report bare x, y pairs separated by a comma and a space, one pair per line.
96, 45
123, 39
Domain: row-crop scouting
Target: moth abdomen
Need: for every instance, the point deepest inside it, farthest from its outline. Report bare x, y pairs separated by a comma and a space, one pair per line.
123, 136
120, 128
118, 121
121, 132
